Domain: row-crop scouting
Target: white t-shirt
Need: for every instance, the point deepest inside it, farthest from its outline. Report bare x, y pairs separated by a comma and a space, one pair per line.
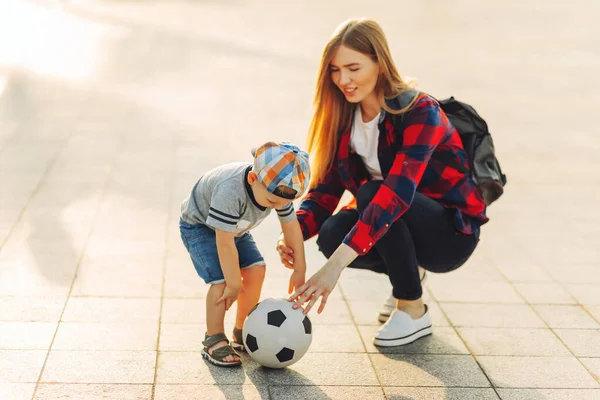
364, 140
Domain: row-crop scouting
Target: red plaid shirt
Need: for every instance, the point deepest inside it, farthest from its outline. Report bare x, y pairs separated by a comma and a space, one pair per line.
407, 167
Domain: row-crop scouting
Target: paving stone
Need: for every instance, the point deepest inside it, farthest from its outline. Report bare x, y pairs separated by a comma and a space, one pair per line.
536, 372
102, 309
594, 311
428, 370
521, 270
544, 293
406, 393
492, 315
26, 335
583, 343
210, 392
48, 391
326, 392
483, 292
549, 394
512, 342
21, 365
106, 336
593, 364
476, 269
120, 279
444, 340
16, 391
182, 280
100, 367
585, 293
585, 274
376, 290
34, 309
336, 338
336, 312
191, 368
566, 317
182, 337
189, 311
331, 369
19, 281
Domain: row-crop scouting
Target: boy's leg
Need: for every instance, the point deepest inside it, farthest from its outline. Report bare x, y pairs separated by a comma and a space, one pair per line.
215, 317
252, 281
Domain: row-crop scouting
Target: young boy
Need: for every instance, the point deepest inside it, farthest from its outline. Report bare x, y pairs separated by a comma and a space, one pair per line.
216, 218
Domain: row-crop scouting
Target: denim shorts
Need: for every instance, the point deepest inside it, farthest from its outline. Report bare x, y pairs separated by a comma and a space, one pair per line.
201, 243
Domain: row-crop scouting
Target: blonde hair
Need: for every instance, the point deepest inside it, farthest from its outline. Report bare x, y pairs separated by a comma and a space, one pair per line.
333, 114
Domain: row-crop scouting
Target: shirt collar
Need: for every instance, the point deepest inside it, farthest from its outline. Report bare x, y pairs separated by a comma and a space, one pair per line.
249, 189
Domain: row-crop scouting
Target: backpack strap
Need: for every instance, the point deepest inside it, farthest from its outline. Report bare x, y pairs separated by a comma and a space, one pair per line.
404, 99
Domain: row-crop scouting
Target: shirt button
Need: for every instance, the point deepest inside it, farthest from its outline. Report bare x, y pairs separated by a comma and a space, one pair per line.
364, 250
387, 225
370, 243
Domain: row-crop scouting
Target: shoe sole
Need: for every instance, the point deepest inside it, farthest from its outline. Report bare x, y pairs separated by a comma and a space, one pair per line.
383, 317
211, 360
238, 347
403, 340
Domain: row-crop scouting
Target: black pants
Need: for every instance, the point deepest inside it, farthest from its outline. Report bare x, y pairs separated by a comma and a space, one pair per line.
425, 235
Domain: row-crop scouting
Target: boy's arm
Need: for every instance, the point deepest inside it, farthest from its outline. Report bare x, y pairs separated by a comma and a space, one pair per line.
292, 234
228, 257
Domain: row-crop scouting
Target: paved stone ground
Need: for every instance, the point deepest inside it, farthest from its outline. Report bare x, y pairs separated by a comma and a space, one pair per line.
109, 111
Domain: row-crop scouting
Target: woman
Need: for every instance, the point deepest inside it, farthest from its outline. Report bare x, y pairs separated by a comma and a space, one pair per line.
376, 137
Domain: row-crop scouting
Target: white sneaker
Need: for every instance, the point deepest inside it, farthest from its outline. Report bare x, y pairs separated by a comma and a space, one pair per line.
387, 308
401, 329
390, 304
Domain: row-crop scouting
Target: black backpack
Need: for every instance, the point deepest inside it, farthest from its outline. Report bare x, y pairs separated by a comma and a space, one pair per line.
478, 144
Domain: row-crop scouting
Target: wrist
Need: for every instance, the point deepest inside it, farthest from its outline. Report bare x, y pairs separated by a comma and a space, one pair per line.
300, 267
334, 267
234, 283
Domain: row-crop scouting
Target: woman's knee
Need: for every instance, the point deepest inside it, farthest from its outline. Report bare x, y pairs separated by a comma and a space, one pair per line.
329, 238
334, 230
365, 194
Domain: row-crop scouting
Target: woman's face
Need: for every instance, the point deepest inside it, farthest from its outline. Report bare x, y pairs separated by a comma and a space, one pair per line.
354, 73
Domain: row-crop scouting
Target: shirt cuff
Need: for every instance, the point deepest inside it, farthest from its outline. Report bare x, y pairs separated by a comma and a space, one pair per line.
360, 239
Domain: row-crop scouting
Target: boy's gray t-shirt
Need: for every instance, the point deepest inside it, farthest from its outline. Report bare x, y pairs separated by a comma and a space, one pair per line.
223, 199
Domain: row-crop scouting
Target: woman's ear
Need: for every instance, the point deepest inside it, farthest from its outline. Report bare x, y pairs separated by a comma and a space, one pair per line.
252, 177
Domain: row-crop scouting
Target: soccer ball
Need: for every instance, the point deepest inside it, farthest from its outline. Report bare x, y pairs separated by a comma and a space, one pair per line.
276, 335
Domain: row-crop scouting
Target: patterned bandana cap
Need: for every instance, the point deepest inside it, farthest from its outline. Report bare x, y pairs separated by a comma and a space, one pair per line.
282, 165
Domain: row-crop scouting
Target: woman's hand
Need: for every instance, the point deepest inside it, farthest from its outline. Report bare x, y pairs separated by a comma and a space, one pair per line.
319, 285
286, 254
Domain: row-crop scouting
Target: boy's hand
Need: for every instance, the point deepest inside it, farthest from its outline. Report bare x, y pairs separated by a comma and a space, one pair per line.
230, 295
296, 280
286, 254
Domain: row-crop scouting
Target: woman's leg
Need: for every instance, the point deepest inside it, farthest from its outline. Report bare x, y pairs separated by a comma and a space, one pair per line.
425, 235
332, 233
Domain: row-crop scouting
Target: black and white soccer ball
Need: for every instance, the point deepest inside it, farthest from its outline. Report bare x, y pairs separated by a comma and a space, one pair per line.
276, 335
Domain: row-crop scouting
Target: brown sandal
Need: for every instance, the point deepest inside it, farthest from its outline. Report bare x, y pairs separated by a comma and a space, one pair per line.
238, 340
218, 355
